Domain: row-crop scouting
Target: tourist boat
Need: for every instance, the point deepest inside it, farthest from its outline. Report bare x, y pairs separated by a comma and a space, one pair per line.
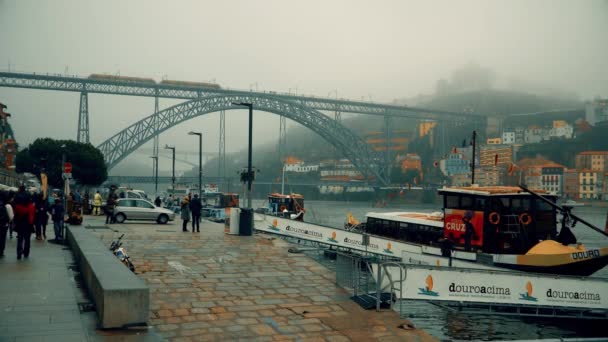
216, 205
508, 228
287, 206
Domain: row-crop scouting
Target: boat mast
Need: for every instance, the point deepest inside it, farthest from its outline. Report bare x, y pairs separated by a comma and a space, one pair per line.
283, 181
473, 159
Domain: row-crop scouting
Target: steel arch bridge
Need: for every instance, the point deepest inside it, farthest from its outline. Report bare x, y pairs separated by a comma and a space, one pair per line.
353, 147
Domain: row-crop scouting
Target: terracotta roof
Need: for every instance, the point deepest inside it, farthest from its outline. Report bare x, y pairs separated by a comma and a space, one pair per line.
588, 153
493, 189
537, 163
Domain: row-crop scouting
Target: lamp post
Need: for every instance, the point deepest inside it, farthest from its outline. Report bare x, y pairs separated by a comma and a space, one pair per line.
249, 173
200, 162
64, 202
155, 174
167, 147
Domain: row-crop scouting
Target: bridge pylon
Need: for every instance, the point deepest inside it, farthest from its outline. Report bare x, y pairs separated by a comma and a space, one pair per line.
83, 118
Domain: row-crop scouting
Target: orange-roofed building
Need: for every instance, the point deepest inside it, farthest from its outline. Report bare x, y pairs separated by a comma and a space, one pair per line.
293, 160
593, 160
571, 185
590, 184
546, 174
399, 139
411, 161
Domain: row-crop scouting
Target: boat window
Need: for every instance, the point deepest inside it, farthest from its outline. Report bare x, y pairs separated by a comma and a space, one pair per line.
505, 202
403, 224
466, 202
542, 206
452, 202
480, 204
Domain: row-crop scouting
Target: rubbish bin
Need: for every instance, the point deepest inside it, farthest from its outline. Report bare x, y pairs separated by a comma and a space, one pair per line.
246, 222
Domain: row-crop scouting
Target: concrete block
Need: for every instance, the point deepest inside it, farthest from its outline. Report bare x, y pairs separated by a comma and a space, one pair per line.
121, 298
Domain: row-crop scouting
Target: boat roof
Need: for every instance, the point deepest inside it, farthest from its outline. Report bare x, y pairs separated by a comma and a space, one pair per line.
278, 195
489, 190
428, 219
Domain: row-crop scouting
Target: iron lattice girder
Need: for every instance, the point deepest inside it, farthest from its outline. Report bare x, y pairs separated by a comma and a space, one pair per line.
353, 147
80, 84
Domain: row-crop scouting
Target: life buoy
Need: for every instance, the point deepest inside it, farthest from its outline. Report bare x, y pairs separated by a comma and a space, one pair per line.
525, 219
494, 218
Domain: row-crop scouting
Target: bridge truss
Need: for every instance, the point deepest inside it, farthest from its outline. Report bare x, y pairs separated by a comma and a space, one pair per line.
369, 162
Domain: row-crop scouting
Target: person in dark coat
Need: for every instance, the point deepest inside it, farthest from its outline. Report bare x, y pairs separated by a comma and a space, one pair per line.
195, 208
42, 217
110, 203
57, 214
25, 213
469, 230
157, 201
6, 218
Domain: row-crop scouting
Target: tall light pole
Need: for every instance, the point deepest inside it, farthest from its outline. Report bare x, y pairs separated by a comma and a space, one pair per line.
64, 200
167, 147
200, 162
249, 173
155, 174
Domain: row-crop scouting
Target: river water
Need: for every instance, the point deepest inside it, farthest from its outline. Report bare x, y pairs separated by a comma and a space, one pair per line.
445, 324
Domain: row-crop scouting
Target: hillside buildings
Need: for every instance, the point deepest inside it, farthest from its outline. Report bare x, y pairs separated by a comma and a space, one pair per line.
596, 111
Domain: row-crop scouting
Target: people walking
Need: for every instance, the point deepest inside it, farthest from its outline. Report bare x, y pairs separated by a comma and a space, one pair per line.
6, 216
110, 203
157, 201
42, 217
24, 222
57, 214
195, 208
97, 201
185, 212
11, 199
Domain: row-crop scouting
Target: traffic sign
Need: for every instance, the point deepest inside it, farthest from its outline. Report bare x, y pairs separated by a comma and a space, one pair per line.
67, 167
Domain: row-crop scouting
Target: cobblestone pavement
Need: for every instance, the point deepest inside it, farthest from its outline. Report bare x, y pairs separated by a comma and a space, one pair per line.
210, 286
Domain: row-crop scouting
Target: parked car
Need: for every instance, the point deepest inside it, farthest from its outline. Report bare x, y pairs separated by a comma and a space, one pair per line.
141, 209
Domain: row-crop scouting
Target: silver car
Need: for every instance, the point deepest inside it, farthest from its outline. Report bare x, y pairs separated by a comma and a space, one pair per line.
141, 209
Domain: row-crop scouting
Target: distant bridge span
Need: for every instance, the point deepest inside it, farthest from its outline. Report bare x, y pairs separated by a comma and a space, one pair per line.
368, 161
190, 92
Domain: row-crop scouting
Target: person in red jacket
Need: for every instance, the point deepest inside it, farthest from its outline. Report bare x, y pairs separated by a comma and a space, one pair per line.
24, 212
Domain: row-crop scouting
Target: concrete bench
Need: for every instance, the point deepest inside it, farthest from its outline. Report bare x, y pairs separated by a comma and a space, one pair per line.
121, 298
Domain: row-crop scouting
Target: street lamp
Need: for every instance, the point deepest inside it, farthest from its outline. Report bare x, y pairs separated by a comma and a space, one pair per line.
155, 174
64, 201
200, 162
249, 173
167, 147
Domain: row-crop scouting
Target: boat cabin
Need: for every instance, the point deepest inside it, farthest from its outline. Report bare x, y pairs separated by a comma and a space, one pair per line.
289, 206
220, 200
505, 220
500, 220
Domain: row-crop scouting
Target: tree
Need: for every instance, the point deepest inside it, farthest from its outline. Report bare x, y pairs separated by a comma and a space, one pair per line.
89, 167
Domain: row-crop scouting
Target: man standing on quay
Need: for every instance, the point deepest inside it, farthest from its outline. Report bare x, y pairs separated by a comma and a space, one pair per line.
195, 208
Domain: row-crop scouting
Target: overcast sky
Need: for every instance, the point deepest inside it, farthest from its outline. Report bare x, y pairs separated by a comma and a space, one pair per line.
363, 49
